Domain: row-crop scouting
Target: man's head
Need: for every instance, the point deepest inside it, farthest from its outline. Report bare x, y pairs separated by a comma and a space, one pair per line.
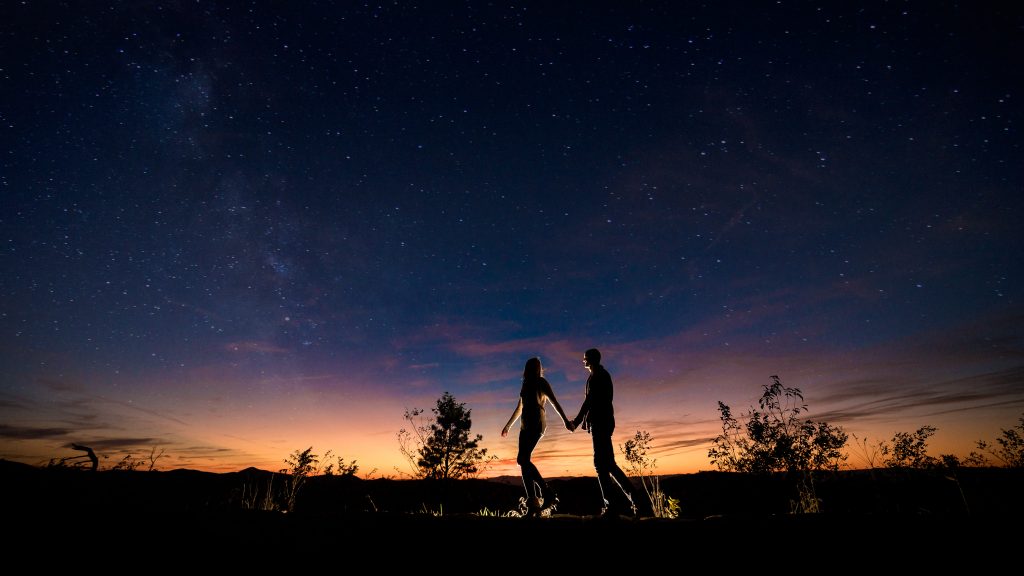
591, 357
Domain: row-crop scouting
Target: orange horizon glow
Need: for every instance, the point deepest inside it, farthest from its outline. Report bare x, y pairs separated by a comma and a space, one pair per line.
234, 435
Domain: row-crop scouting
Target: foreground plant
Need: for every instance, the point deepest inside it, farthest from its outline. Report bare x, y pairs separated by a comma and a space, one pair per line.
642, 466
1010, 450
909, 450
301, 465
775, 439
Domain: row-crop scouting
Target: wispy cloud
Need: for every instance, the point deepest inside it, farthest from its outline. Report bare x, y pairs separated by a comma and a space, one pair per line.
32, 433
116, 444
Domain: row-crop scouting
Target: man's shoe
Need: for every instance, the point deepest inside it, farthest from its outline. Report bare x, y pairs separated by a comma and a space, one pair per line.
610, 514
632, 509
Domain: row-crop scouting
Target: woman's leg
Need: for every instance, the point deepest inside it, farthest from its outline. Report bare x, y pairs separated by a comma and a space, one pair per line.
532, 480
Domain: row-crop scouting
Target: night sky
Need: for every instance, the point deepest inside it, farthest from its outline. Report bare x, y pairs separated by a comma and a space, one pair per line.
231, 230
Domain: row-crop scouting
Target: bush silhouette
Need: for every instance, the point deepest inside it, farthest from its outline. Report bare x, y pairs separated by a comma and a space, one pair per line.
1011, 447
774, 439
909, 450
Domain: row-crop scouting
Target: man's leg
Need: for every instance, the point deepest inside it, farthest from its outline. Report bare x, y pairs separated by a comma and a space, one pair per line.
601, 467
627, 487
607, 470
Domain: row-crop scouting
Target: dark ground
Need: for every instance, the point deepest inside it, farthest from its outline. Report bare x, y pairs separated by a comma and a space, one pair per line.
871, 519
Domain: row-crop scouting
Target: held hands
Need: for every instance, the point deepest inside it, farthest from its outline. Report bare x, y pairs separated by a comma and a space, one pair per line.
570, 425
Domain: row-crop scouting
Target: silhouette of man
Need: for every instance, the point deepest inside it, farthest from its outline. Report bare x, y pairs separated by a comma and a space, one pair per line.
597, 416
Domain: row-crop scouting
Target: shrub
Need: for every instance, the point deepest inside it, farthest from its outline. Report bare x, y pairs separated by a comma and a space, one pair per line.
340, 468
301, 465
129, 463
1010, 451
909, 450
774, 439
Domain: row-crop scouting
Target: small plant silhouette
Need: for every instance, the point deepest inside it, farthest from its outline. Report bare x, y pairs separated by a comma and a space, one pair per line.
642, 466
255, 499
487, 512
340, 468
129, 464
909, 450
1010, 450
301, 465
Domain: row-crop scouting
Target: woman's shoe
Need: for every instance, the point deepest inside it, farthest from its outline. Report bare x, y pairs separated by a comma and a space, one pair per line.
550, 505
530, 507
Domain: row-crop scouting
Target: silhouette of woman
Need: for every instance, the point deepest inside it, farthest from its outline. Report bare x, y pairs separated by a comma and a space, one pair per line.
535, 393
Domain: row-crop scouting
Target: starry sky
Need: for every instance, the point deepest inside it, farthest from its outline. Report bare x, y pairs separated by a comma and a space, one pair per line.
231, 230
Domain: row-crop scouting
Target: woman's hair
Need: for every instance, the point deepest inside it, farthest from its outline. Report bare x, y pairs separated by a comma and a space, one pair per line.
533, 369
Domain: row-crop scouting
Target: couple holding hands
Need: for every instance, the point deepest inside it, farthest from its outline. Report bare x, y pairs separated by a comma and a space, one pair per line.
596, 415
